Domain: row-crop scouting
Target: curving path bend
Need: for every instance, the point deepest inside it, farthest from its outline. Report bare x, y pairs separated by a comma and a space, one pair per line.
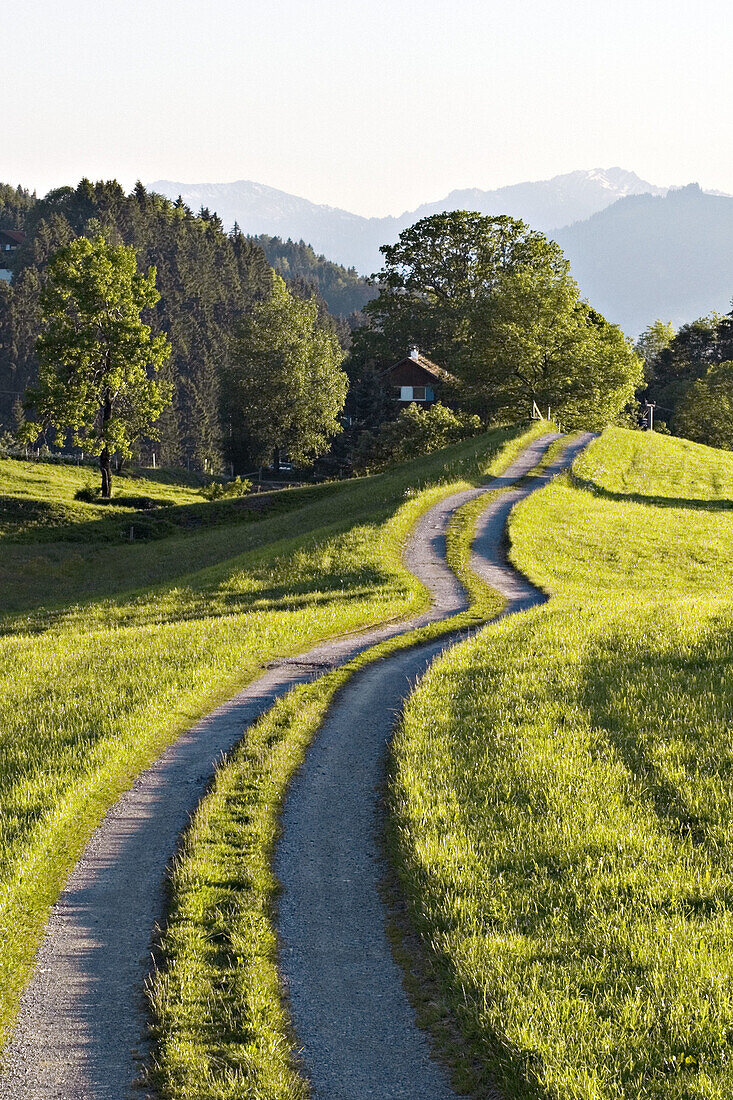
350, 1012
80, 1033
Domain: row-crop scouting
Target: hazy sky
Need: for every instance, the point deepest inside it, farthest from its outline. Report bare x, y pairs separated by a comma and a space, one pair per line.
374, 106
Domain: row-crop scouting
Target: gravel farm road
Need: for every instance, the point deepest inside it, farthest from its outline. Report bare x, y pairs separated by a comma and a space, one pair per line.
81, 1030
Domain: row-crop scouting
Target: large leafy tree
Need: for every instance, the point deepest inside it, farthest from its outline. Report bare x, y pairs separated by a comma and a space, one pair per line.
494, 302
437, 274
536, 341
97, 358
284, 387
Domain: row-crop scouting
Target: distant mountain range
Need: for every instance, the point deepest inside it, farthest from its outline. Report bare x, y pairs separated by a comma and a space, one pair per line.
354, 241
637, 250
648, 256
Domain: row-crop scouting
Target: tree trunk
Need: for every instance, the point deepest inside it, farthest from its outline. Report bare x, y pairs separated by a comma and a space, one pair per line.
106, 467
105, 463
276, 459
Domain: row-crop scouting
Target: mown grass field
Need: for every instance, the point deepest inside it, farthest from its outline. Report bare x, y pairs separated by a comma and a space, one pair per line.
108, 651
562, 794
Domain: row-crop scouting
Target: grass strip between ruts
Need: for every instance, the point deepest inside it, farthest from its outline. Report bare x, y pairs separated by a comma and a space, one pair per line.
221, 1029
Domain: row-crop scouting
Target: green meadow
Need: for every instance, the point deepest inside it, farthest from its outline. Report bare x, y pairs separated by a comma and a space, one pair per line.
562, 795
109, 648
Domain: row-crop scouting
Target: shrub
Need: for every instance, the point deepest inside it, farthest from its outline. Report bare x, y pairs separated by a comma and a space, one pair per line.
416, 431
218, 490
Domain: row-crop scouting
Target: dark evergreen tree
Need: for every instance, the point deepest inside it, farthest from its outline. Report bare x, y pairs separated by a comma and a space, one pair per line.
343, 289
15, 202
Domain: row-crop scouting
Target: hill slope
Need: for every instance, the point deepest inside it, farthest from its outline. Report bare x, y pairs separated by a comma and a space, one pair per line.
650, 256
108, 651
564, 789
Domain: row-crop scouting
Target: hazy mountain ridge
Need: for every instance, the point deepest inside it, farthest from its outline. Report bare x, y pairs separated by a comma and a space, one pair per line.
354, 241
637, 250
650, 256
549, 204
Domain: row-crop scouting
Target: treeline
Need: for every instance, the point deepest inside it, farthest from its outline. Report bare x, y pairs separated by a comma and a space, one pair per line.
344, 291
689, 378
256, 367
209, 282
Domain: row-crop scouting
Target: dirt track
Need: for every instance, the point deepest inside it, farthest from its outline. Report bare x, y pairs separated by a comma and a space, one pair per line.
350, 1012
80, 1031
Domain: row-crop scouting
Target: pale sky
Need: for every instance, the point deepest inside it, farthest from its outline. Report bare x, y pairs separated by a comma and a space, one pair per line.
371, 105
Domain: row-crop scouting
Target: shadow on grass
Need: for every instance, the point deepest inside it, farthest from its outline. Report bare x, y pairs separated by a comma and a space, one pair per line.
615, 671
18, 512
142, 519
208, 602
655, 501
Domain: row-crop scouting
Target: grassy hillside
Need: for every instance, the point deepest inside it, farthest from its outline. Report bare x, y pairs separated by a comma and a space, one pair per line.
107, 651
563, 795
38, 499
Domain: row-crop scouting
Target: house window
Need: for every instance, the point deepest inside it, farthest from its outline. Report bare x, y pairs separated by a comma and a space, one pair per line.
412, 393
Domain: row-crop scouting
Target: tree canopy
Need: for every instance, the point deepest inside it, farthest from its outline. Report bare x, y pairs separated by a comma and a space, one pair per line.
98, 360
705, 411
284, 387
683, 373
652, 342
494, 303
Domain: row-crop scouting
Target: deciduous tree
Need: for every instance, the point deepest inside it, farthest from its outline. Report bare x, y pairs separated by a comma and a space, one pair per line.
537, 341
97, 358
494, 302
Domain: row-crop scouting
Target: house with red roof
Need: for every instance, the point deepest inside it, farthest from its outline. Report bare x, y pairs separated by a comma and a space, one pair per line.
416, 378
